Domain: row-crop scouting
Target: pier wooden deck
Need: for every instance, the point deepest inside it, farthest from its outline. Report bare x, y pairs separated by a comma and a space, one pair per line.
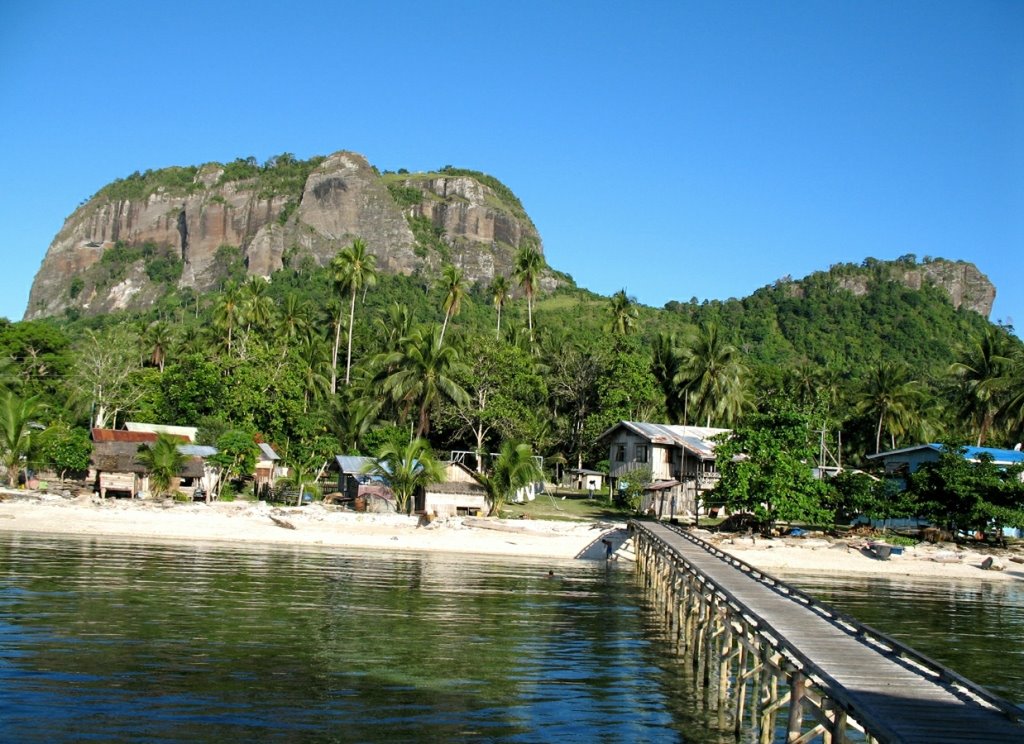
891, 696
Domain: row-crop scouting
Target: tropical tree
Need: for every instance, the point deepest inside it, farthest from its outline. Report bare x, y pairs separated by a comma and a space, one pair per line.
765, 466
103, 378
164, 462
256, 306
407, 468
623, 314
16, 417
889, 395
1012, 410
157, 340
354, 268
293, 320
712, 377
499, 293
422, 372
63, 448
455, 290
515, 467
981, 370
237, 453
226, 312
665, 366
528, 267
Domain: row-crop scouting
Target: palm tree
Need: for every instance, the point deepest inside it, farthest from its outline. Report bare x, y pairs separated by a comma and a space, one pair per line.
665, 365
712, 377
892, 396
163, 460
16, 416
407, 468
312, 352
257, 307
421, 373
515, 467
227, 310
623, 314
1011, 413
455, 290
981, 370
528, 266
293, 322
353, 269
499, 293
157, 338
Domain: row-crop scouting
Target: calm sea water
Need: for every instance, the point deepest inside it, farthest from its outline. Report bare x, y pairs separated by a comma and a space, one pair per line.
116, 641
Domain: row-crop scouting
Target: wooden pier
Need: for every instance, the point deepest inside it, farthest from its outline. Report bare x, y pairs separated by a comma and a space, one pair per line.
775, 661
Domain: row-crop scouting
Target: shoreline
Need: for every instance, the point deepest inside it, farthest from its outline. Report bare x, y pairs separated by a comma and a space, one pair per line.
315, 525
827, 556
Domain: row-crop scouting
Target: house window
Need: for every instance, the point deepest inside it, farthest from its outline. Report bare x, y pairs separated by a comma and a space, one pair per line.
640, 453
620, 453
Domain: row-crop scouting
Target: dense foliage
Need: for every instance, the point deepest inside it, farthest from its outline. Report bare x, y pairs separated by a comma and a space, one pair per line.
334, 360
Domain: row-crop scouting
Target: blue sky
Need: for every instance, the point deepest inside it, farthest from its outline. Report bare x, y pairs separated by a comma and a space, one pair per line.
671, 149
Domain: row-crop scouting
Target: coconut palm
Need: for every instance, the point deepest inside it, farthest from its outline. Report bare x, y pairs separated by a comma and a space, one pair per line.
623, 314
407, 468
257, 307
528, 267
227, 311
16, 415
981, 370
420, 373
293, 321
712, 377
890, 395
354, 268
515, 467
164, 462
499, 293
665, 365
455, 290
157, 340
1011, 413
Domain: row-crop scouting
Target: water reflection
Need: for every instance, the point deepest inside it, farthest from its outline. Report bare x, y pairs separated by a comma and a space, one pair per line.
121, 641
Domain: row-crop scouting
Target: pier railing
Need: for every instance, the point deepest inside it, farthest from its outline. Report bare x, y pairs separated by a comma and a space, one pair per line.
728, 642
885, 643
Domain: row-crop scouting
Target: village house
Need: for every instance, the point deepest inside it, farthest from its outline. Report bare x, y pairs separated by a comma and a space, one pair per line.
905, 461
459, 494
116, 470
681, 460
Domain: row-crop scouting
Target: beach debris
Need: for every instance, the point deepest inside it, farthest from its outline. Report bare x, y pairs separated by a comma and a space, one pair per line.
989, 564
281, 522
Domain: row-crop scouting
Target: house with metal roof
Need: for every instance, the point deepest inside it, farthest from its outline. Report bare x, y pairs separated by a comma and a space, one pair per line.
909, 459
681, 459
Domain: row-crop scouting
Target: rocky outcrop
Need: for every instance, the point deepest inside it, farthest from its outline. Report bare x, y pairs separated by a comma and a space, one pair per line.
110, 252
962, 282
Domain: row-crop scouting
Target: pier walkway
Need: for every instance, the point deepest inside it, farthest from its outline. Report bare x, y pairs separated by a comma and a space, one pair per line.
892, 693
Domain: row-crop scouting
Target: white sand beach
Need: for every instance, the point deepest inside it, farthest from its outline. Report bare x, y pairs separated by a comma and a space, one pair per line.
944, 561
317, 525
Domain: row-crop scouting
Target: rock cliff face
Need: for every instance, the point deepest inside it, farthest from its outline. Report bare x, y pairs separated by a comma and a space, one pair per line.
962, 282
126, 246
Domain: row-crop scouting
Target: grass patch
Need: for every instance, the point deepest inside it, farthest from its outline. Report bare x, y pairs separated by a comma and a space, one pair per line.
574, 507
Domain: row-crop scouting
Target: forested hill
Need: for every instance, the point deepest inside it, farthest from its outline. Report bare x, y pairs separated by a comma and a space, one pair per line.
855, 315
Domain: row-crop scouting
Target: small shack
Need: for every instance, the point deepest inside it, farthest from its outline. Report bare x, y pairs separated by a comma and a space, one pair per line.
586, 480
461, 494
115, 467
